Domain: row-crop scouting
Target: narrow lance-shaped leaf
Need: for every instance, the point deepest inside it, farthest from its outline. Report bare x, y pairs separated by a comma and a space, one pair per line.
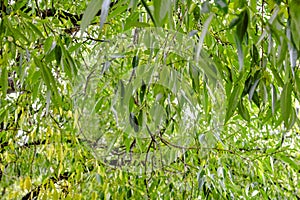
47, 77
273, 97
133, 4
286, 102
243, 111
292, 119
233, 100
295, 22
202, 36
297, 83
255, 55
222, 4
252, 89
89, 14
292, 50
241, 30
149, 12
295, 165
4, 80
240, 54
135, 61
134, 122
143, 91
161, 8
104, 12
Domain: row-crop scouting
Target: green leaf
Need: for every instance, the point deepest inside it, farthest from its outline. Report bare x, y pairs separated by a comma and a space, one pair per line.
135, 61
131, 103
140, 118
253, 89
297, 82
143, 91
196, 13
292, 119
195, 74
205, 100
243, 111
202, 36
58, 54
48, 45
295, 22
234, 22
3, 114
240, 53
293, 164
241, 28
233, 100
161, 8
19, 35
254, 54
68, 64
136, 24
35, 29
47, 76
4, 79
131, 20
133, 4
273, 98
134, 122
149, 12
201, 178
119, 9
222, 4
89, 14
286, 102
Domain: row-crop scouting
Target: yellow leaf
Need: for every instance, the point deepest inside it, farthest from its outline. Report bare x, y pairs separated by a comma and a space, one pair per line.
94, 196
22, 183
55, 195
69, 114
27, 183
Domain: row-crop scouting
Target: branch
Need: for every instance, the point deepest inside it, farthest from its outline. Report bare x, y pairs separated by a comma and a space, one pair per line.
59, 13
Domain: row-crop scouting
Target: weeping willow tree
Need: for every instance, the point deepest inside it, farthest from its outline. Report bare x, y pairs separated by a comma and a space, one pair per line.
149, 99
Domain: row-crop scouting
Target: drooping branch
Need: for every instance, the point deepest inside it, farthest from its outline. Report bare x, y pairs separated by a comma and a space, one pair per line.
59, 13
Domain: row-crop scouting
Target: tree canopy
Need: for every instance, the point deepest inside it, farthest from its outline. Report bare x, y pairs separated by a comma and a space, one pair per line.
163, 99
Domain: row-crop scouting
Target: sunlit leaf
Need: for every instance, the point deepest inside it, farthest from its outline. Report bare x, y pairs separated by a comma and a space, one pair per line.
286, 103
295, 165
273, 98
4, 78
202, 36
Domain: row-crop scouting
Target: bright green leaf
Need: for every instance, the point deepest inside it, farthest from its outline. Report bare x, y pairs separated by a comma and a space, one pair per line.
286, 102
